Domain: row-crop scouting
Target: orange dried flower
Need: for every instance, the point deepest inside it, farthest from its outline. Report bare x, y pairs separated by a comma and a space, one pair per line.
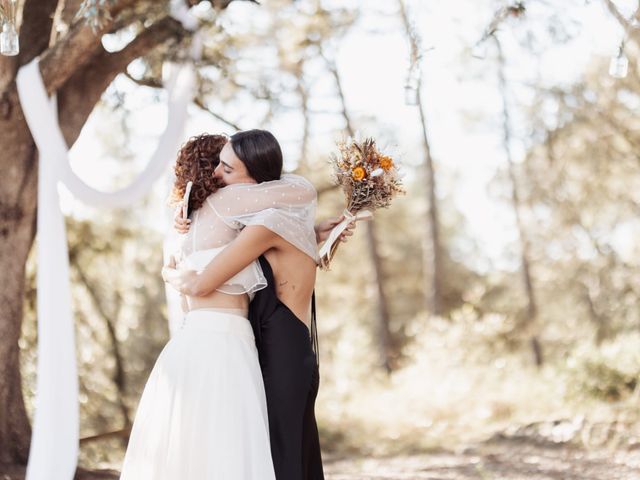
386, 163
358, 173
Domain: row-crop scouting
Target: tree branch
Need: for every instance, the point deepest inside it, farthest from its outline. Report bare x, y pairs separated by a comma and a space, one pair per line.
83, 89
629, 28
37, 20
613, 9
62, 60
69, 10
333, 69
153, 83
143, 82
76, 48
202, 106
122, 433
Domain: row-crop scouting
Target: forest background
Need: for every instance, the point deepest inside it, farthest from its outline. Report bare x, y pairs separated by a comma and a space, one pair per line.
497, 301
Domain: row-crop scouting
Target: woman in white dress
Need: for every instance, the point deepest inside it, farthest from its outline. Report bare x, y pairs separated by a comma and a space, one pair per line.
202, 414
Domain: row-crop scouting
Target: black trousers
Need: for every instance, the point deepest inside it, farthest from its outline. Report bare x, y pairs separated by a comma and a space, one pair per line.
291, 380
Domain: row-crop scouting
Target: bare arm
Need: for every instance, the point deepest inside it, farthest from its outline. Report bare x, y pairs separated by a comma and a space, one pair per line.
252, 242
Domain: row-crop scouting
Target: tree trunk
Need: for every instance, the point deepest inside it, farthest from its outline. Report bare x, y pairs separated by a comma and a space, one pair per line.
304, 105
18, 199
386, 347
18, 187
79, 69
525, 262
432, 248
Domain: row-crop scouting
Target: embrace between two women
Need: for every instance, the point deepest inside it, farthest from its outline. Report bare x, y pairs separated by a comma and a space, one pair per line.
232, 394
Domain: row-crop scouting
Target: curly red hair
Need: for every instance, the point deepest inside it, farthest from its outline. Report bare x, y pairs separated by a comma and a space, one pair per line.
197, 159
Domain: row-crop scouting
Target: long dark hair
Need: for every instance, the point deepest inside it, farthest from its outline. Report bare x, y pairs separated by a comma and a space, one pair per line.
260, 152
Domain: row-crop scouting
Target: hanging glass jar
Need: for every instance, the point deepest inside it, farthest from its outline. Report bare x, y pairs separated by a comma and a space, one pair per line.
619, 65
9, 43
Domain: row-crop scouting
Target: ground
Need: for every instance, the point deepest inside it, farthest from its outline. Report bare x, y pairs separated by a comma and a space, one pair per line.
501, 458
540, 452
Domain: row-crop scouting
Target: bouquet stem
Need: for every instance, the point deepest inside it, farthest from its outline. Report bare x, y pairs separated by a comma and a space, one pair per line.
330, 246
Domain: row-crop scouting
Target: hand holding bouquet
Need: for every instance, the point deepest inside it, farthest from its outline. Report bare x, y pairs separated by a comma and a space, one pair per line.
369, 179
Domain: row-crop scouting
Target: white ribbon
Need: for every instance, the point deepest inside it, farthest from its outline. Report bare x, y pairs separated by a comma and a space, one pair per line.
42, 117
55, 434
327, 248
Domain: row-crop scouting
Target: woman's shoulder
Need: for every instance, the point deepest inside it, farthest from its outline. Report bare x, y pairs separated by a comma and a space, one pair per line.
296, 179
287, 182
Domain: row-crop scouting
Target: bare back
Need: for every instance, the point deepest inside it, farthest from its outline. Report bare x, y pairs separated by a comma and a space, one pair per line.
295, 277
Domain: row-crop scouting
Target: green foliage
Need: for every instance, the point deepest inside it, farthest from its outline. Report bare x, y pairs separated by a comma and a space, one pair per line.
609, 372
95, 12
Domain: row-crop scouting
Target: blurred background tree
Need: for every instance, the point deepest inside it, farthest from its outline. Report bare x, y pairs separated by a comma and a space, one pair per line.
427, 340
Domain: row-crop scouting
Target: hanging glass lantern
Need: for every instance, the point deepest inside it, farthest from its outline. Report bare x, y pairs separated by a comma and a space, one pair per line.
9, 43
619, 65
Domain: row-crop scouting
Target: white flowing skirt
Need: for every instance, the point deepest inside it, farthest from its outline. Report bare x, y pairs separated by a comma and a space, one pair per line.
203, 413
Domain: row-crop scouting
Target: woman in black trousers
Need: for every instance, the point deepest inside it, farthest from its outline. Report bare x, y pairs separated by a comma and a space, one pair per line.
289, 363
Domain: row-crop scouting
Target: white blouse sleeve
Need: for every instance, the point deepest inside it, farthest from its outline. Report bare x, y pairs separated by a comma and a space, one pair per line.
286, 206
288, 192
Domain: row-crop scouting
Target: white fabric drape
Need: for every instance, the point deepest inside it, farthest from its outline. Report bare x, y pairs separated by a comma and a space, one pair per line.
55, 434
175, 315
42, 117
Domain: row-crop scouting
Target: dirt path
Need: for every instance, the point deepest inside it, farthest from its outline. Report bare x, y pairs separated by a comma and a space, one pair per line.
498, 459
544, 451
